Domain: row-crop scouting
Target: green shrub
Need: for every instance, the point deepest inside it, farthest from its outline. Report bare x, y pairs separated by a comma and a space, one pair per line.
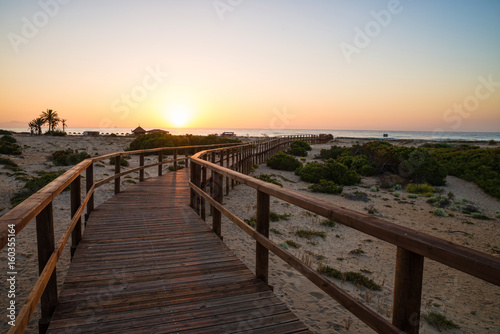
331, 170
328, 223
32, 185
268, 178
492, 142
350, 276
8, 162
333, 152
163, 139
292, 243
439, 201
367, 170
8, 139
422, 167
283, 161
8, 145
308, 234
68, 157
439, 212
301, 144
297, 151
123, 161
439, 321
57, 133
5, 132
423, 189
274, 217
413, 196
327, 187
374, 189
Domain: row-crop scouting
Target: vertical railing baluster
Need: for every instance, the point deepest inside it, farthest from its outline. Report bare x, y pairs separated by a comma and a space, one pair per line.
76, 201
141, 163
160, 166
117, 171
203, 187
89, 180
218, 196
45, 244
407, 291
262, 226
175, 159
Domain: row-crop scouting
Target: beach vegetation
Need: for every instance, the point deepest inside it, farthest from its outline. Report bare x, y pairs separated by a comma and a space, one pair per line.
374, 189
329, 223
5, 132
8, 145
477, 215
333, 152
33, 184
357, 251
275, 217
275, 231
309, 234
331, 170
163, 139
292, 244
492, 142
439, 321
68, 157
423, 189
56, 133
251, 221
123, 161
297, 151
283, 161
326, 186
439, 212
301, 143
284, 245
9, 164
350, 276
357, 196
268, 178
439, 201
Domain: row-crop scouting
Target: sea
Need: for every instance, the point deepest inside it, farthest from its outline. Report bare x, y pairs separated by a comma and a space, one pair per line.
375, 134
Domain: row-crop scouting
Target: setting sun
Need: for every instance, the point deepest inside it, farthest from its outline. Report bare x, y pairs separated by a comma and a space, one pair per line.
179, 116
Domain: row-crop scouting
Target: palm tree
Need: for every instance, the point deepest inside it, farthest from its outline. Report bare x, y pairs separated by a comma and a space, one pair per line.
63, 121
37, 124
51, 118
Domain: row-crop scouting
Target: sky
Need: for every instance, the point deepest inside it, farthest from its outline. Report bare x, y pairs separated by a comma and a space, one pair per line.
351, 65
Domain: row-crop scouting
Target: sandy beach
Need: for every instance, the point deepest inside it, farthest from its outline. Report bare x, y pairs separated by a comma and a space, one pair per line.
469, 302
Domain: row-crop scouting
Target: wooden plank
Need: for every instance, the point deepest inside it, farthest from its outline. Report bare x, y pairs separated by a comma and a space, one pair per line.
147, 263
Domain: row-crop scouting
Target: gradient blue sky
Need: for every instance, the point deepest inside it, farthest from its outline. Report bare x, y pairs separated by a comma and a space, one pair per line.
262, 58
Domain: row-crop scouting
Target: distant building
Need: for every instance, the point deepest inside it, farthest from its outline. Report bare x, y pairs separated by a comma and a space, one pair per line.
90, 133
228, 135
138, 131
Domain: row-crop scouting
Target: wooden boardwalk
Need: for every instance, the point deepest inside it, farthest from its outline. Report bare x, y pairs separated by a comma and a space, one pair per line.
148, 264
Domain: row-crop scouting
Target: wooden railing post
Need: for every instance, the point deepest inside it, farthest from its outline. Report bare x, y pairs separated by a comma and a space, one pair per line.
76, 201
141, 163
89, 180
45, 244
407, 291
262, 226
117, 171
160, 166
218, 196
192, 177
203, 186
175, 159
228, 166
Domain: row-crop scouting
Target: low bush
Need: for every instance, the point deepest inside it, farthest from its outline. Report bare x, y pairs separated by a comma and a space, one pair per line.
301, 144
8, 145
423, 189
5, 132
327, 187
32, 185
292, 243
274, 217
163, 139
308, 234
8, 162
268, 178
123, 161
297, 151
439, 212
331, 170
68, 157
328, 223
439, 321
439, 201
350, 276
57, 133
283, 161
333, 152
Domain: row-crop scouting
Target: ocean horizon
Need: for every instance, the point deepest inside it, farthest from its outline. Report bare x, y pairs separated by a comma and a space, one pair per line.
376, 134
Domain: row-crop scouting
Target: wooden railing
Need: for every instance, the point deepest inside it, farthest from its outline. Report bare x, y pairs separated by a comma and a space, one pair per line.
39, 207
207, 185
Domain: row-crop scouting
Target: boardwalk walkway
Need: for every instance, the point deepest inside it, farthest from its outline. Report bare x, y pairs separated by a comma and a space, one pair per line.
148, 264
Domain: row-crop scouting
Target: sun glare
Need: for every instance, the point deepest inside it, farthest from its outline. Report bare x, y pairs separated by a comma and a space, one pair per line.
178, 116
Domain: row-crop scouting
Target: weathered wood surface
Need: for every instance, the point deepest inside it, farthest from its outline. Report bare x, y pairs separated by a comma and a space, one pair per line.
148, 264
